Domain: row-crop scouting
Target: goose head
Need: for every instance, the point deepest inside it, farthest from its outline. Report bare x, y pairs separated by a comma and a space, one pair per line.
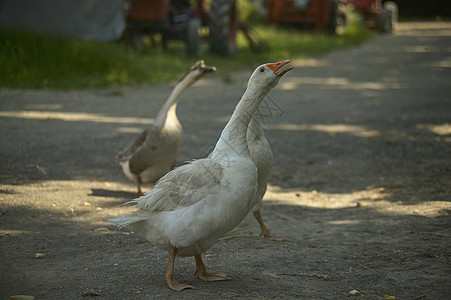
197, 71
266, 76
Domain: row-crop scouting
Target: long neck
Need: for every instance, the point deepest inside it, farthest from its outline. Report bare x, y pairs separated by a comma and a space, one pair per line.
168, 110
232, 141
255, 129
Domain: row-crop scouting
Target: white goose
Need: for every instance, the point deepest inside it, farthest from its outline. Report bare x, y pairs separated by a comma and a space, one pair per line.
154, 152
261, 154
195, 204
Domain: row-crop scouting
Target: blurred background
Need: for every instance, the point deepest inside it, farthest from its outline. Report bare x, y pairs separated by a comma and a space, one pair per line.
98, 43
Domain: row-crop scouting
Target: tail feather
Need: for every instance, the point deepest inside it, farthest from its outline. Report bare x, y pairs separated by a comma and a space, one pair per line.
124, 221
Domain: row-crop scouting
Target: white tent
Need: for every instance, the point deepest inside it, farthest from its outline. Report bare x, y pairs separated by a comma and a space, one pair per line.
99, 20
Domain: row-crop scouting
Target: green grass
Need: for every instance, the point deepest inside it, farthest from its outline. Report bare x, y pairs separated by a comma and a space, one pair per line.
31, 61
28, 60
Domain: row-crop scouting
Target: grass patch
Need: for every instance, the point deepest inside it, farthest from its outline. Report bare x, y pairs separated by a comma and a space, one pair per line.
28, 60
32, 61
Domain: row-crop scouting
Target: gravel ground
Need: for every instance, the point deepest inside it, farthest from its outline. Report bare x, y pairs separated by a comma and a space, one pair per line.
360, 188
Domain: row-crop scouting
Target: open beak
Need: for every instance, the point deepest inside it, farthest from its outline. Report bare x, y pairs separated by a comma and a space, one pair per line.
206, 69
276, 67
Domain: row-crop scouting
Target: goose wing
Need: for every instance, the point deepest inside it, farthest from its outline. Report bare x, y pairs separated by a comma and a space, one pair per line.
130, 150
148, 152
143, 151
182, 187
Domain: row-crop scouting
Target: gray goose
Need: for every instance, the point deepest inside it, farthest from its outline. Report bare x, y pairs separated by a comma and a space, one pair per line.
154, 152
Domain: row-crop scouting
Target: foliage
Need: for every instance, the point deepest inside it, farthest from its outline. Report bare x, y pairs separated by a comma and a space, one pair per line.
29, 60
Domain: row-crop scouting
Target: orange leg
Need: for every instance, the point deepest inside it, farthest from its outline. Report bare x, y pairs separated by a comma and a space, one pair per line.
138, 181
169, 274
265, 231
201, 271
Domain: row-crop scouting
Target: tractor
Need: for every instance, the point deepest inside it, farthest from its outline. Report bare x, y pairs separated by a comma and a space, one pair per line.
316, 15
323, 16
382, 17
180, 20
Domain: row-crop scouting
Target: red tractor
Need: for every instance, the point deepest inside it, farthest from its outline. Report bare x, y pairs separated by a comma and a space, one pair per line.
375, 14
180, 20
316, 15
325, 15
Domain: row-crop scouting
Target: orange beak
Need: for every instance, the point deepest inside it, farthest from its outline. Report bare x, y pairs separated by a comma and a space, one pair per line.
275, 67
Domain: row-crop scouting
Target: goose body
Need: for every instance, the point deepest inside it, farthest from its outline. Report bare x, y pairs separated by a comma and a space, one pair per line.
262, 156
193, 205
192, 219
154, 152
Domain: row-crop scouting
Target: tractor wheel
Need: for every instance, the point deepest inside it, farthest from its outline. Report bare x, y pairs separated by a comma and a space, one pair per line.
223, 21
341, 19
192, 37
332, 23
384, 21
388, 17
393, 8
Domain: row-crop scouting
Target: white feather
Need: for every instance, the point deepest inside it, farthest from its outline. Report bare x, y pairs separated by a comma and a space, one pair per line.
195, 204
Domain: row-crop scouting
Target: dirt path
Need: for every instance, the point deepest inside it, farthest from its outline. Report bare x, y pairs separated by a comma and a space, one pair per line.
361, 184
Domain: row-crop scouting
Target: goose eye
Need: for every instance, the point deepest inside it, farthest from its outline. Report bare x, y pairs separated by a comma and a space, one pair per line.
262, 70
